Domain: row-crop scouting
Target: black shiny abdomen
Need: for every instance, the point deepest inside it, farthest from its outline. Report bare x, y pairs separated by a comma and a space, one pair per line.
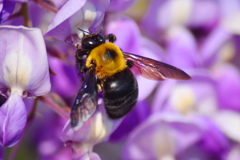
120, 93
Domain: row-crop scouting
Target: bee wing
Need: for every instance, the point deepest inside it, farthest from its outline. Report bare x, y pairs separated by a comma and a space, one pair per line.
155, 70
86, 101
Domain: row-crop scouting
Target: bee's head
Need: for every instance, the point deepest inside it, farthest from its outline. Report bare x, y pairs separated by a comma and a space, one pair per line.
92, 40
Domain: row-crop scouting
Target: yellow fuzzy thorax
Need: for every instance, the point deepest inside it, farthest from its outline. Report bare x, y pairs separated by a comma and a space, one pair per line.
106, 64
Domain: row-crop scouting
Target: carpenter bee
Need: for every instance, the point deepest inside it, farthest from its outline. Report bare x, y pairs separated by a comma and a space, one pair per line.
106, 68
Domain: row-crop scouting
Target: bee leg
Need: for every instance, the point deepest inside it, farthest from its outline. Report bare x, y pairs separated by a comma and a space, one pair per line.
81, 54
81, 58
99, 86
111, 37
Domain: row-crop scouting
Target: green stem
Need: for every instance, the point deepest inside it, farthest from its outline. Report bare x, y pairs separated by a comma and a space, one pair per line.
25, 14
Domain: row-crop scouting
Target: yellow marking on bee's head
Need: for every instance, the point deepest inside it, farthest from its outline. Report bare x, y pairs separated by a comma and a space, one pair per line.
108, 59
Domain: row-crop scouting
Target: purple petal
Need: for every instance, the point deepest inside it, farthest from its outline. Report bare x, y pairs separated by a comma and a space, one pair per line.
162, 95
213, 139
127, 33
234, 153
156, 19
213, 43
231, 117
65, 82
59, 3
6, 10
119, 5
182, 48
60, 27
13, 120
138, 115
204, 14
230, 15
24, 60
229, 8
227, 80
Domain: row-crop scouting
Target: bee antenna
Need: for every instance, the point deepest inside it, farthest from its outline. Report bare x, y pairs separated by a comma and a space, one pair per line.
84, 31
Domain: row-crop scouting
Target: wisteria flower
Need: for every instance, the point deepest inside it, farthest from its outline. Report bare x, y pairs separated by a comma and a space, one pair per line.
197, 96
171, 136
96, 129
24, 73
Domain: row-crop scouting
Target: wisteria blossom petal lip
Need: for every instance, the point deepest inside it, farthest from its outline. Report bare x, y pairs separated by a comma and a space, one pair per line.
24, 60
13, 117
77, 14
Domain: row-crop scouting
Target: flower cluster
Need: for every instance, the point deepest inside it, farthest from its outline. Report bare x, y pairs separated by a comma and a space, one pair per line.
172, 120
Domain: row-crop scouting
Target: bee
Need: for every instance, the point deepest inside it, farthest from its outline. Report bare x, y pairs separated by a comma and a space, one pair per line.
107, 68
